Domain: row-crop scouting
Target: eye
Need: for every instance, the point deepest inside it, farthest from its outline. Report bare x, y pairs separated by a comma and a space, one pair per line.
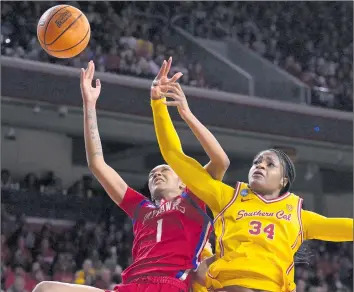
271, 164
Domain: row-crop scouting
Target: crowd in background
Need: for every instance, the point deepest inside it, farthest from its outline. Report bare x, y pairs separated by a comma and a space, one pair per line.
95, 253
48, 183
120, 41
83, 254
312, 41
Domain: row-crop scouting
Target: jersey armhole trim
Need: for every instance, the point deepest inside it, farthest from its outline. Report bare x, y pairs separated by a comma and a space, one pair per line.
299, 210
233, 199
221, 215
138, 208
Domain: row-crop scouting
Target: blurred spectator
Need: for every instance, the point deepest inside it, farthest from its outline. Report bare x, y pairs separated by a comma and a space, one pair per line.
18, 285
45, 255
6, 180
104, 279
30, 182
87, 275
49, 183
21, 254
83, 187
63, 270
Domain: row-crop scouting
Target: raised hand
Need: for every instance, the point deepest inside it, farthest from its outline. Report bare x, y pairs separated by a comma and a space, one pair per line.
174, 91
89, 94
162, 79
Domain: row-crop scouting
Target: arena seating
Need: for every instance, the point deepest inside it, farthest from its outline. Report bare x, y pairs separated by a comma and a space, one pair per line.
312, 41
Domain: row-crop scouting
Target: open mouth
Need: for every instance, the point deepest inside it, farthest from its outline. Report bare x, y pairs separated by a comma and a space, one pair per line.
258, 174
157, 180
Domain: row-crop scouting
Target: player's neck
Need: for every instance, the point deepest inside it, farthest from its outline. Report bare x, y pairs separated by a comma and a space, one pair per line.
271, 196
167, 195
268, 196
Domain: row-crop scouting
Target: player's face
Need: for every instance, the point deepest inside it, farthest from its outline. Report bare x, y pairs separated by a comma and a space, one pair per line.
266, 175
161, 179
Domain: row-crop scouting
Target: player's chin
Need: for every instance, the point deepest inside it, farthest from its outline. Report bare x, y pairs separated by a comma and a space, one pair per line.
160, 186
257, 183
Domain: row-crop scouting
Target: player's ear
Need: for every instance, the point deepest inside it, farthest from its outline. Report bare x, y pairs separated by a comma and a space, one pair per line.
181, 186
283, 181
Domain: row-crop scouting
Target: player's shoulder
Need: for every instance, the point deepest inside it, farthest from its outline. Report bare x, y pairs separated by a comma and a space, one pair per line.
296, 199
133, 196
188, 194
132, 192
133, 202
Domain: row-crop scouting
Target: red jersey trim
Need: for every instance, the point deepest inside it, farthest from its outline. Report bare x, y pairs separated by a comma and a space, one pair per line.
287, 194
223, 223
231, 202
299, 208
288, 270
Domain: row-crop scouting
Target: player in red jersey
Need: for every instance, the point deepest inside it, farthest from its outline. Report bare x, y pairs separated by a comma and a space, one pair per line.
170, 232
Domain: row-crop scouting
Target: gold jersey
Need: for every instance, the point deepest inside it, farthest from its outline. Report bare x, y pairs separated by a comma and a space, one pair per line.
256, 238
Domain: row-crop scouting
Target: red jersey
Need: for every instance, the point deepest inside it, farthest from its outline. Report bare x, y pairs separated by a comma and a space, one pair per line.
168, 239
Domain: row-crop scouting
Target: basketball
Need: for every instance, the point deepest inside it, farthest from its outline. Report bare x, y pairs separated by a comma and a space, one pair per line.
63, 31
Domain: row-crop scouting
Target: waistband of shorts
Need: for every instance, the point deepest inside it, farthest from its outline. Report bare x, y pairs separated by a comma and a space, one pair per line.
159, 280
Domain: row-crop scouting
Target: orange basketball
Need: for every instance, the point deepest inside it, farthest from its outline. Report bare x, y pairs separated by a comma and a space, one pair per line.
63, 31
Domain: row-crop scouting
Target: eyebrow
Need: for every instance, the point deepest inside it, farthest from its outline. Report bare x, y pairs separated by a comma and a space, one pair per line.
267, 157
162, 168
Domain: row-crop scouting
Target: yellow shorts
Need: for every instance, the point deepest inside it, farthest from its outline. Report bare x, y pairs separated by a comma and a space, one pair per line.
249, 273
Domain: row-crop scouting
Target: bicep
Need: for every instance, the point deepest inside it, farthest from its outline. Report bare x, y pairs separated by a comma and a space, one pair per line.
216, 171
330, 229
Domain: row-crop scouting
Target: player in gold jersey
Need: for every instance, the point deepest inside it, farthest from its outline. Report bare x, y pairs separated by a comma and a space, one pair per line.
259, 225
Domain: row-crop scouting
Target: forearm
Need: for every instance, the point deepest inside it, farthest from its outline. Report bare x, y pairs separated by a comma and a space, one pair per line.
219, 162
189, 170
210, 260
328, 229
111, 181
93, 145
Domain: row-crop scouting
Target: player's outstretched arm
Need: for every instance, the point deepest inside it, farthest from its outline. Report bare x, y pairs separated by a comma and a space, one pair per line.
329, 229
219, 162
110, 180
189, 170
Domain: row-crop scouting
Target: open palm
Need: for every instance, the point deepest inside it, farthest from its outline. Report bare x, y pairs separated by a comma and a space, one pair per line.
89, 93
162, 79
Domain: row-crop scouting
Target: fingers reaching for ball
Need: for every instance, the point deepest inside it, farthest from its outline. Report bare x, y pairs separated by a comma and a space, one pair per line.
89, 93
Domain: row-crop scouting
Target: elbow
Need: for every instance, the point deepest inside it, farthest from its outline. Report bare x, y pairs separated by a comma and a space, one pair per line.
225, 162
222, 164
95, 166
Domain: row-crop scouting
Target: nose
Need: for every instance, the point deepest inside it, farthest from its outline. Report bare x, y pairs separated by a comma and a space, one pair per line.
260, 165
156, 174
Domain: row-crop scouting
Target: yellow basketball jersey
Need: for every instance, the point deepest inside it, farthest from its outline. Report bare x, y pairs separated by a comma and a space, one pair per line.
259, 236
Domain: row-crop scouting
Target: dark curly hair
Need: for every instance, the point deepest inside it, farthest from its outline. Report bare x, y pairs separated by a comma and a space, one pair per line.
289, 169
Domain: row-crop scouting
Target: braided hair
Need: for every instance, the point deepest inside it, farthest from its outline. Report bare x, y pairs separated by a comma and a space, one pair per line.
288, 167
304, 252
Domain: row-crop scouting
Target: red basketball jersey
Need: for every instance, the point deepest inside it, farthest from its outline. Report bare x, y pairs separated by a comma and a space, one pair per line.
168, 238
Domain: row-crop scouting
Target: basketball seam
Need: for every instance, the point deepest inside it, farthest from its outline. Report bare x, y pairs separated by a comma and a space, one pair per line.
72, 46
45, 30
71, 24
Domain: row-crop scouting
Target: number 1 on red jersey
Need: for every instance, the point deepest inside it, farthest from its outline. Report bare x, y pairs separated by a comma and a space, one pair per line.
159, 230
